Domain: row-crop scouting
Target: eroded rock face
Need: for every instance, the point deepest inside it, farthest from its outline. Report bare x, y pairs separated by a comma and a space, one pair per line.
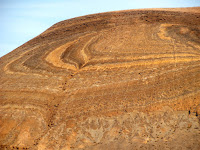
118, 80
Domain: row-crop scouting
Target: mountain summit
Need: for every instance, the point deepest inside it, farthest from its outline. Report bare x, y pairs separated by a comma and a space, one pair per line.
117, 80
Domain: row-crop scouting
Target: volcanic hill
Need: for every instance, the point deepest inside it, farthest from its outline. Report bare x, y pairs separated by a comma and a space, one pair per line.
117, 80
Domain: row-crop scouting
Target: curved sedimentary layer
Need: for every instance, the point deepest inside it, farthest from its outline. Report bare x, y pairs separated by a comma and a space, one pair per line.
117, 80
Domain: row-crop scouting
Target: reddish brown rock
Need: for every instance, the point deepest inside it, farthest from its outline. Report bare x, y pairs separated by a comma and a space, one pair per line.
117, 80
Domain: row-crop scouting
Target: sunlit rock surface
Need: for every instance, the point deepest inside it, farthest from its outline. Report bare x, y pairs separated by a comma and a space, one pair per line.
116, 80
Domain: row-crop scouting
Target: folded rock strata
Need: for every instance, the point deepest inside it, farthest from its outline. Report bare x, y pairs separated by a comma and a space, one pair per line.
116, 80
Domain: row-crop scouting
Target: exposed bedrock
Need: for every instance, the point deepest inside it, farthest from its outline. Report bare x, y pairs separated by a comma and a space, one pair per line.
116, 80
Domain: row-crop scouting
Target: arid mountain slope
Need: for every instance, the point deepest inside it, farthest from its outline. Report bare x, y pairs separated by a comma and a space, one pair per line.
117, 80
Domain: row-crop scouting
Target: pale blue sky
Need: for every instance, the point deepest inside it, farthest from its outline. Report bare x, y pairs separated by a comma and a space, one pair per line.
22, 20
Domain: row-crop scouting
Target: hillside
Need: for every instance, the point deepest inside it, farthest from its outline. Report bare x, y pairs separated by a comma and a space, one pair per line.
117, 80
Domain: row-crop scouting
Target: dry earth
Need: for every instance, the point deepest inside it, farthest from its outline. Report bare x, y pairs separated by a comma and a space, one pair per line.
117, 80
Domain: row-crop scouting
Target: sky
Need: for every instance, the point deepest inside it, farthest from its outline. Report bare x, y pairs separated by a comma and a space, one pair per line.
22, 20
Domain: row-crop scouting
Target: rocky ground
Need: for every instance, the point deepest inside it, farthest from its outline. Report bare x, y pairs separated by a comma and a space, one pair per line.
116, 80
